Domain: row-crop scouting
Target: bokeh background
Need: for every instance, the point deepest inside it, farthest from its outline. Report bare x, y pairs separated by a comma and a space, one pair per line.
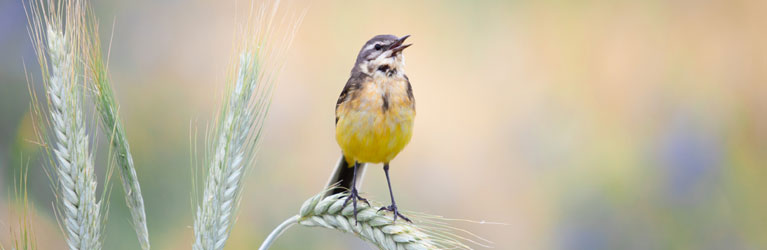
579, 124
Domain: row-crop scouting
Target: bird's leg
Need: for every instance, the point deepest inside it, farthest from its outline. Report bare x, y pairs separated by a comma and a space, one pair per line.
354, 195
393, 206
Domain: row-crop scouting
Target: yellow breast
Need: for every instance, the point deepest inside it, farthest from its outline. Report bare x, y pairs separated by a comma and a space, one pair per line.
376, 123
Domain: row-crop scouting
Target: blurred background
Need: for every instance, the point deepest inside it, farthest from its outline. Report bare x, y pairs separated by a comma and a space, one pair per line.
581, 125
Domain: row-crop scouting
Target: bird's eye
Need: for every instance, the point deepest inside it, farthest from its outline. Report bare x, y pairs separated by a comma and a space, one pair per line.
377, 47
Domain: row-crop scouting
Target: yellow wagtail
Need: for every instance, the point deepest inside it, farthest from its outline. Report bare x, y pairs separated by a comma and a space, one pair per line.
374, 115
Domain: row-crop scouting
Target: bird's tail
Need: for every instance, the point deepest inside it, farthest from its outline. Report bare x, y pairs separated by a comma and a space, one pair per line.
343, 177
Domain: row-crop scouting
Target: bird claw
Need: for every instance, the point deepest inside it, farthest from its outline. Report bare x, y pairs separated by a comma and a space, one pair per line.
354, 197
393, 208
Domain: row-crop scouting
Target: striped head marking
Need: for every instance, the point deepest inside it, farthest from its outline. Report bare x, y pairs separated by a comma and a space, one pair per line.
382, 55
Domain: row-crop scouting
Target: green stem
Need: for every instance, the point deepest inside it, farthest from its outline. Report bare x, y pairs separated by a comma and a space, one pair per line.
278, 231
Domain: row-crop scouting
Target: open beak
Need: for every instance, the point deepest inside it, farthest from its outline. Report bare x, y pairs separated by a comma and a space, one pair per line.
398, 46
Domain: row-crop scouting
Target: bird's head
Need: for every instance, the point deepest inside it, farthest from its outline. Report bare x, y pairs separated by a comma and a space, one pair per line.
382, 55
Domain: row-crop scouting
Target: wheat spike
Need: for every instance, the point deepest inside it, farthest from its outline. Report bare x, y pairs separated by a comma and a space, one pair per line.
79, 208
74, 168
371, 225
214, 216
377, 227
240, 122
58, 54
107, 106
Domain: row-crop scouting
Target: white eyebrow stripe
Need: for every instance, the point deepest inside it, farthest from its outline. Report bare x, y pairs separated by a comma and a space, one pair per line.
370, 46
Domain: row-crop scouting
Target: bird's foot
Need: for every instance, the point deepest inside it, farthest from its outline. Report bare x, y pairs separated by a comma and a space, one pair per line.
354, 196
393, 208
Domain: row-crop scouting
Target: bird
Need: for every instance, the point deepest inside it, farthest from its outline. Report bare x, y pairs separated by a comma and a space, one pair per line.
374, 117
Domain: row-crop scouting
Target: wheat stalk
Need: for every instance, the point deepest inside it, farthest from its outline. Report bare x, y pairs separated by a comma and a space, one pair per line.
78, 210
240, 124
107, 107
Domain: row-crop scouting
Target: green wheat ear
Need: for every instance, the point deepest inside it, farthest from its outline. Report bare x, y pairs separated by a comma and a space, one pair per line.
57, 33
119, 148
238, 127
377, 227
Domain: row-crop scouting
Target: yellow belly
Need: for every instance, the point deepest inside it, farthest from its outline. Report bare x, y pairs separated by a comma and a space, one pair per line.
373, 138
367, 133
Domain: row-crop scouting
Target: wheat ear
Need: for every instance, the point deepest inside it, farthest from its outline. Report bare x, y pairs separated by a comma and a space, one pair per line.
75, 164
214, 216
371, 225
110, 121
376, 226
78, 210
239, 124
